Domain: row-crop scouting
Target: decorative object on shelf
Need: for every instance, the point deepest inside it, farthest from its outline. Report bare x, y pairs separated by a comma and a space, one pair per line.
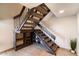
73, 44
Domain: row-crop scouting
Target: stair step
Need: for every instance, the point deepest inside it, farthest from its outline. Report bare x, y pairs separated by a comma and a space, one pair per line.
41, 10
28, 32
27, 35
24, 31
34, 20
37, 15
50, 43
27, 27
19, 35
44, 7
42, 34
47, 40
54, 47
39, 31
28, 23
19, 39
19, 47
52, 52
45, 37
19, 42
29, 41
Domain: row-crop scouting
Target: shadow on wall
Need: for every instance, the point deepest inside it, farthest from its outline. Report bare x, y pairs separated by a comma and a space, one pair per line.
9, 10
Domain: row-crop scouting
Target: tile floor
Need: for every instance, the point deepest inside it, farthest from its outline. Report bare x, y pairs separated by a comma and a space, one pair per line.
32, 50
36, 50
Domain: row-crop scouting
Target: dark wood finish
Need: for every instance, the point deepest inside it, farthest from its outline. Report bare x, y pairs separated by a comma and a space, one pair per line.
34, 20
41, 10
27, 40
27, 26
35, 17
48, 42
45, 7
30, 23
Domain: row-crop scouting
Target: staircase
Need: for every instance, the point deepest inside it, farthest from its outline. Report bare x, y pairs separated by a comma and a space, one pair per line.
25, 31
26, 28
46, 41
30, 21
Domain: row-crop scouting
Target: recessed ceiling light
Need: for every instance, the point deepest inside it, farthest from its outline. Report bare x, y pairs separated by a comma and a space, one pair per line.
61, 11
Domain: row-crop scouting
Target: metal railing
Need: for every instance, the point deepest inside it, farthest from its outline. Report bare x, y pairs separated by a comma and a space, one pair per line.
47, 31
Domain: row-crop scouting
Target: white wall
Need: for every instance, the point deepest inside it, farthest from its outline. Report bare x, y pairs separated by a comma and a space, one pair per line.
7, 12
78, 34
6, 34
64, 28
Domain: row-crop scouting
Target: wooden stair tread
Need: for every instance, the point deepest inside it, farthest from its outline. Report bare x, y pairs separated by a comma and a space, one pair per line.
37, 15
26, 30
19, 39
19, 35
45, 37
19, 47
40, 32
29, 23
50, 43
41, 10
34, 20
19, 42
45, 7
54, 47
47, 40
27, 27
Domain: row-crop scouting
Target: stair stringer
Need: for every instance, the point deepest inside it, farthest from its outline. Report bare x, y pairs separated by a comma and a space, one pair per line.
43, 43
55, 34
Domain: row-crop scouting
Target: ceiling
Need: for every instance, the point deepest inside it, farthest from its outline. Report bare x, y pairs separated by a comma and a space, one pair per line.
69, 8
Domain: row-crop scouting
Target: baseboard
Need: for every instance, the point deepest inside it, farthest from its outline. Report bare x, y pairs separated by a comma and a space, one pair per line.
6, 50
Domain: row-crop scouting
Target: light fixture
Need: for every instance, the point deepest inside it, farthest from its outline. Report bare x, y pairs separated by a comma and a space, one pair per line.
61, 11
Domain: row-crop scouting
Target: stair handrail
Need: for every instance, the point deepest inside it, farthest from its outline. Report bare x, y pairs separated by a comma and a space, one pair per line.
19, 13
20, 19
44, 29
